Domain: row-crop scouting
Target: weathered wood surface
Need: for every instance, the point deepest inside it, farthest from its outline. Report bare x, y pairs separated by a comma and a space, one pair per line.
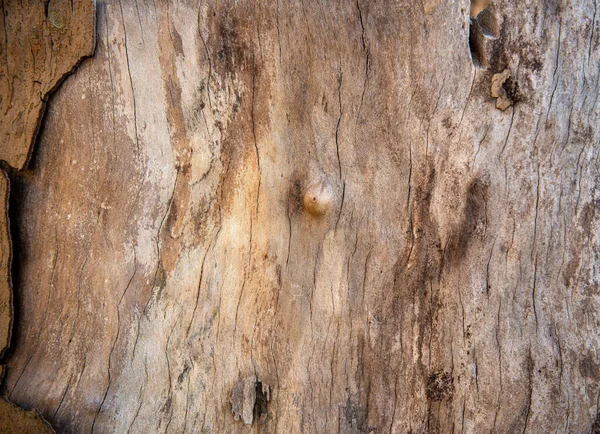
443, 278
42, 42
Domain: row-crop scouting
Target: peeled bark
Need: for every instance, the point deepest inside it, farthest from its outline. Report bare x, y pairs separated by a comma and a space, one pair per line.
322, 199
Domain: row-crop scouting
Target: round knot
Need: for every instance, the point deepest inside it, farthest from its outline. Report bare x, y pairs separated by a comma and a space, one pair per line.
318, 199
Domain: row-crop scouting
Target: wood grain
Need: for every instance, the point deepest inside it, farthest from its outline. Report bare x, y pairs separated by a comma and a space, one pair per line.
43, 42
166, 254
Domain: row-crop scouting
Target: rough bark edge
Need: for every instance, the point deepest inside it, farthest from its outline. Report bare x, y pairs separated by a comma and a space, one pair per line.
7, 408
44, 99
8, 268
19, 419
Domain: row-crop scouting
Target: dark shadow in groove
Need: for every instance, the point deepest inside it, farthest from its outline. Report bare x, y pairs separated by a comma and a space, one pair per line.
19, 183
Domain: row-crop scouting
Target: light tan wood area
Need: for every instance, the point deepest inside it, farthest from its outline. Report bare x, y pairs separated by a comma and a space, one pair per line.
310, 217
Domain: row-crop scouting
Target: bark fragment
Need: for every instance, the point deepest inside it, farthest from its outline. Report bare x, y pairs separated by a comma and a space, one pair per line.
504, 89
243, 398
16, 420
43, 42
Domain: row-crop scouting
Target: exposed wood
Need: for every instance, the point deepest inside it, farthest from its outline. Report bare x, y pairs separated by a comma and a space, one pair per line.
321, 196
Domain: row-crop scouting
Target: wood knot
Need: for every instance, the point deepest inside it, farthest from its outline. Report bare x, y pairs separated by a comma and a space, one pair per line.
318, 199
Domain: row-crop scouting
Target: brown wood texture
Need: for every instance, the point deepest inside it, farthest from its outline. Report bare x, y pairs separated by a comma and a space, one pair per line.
323, 199
42, 42
13, 420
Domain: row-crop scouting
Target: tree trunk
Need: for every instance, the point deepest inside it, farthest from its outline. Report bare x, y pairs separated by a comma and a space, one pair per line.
315, 217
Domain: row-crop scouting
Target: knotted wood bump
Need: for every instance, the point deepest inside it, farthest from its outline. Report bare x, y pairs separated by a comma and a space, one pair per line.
318, 199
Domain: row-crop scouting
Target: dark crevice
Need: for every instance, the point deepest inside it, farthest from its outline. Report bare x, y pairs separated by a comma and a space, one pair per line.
262, 400
15, 200
477, 44
596, 426
19, 181
483, 25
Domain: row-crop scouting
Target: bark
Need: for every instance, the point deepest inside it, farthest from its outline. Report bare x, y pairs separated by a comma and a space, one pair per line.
42, 42
15, 420
323, 201
6, 305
